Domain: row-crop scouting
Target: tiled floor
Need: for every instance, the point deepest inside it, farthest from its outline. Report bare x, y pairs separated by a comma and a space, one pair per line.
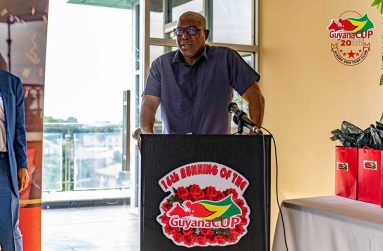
112, 228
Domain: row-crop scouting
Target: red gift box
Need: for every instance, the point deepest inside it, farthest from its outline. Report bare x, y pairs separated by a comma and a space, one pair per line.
369, 175
346, 171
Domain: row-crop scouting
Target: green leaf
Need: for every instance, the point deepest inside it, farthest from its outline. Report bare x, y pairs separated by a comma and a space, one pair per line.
376, 2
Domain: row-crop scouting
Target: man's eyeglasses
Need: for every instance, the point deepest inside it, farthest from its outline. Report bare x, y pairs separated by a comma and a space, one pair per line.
191, 30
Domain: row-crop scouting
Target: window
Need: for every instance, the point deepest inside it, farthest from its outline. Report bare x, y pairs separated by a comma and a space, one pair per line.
177, 9
232, 22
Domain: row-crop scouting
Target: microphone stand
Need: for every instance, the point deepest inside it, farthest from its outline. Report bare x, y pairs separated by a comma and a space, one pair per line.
240, 128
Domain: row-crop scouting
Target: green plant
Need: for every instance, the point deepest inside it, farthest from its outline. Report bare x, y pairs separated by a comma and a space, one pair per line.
378, 4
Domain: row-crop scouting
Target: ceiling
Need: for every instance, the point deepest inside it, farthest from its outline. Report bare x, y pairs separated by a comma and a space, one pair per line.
122, 4
155, 5
23, 9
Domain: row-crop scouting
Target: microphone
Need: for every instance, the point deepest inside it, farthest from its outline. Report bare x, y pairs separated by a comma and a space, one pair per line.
240, 117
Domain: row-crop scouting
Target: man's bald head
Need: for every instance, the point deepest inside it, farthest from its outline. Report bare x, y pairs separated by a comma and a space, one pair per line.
191, 44
194, 17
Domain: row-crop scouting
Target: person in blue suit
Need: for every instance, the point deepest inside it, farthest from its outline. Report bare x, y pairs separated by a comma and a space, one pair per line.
13, 158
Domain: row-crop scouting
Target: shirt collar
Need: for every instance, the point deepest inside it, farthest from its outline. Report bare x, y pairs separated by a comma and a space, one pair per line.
179, 58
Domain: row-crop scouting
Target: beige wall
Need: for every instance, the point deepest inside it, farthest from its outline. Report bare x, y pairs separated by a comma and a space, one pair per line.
309, 93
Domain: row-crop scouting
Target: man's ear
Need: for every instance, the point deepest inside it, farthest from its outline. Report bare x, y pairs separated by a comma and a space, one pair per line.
206, 34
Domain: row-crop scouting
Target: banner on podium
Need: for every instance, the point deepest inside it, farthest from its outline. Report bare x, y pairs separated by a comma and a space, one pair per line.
205, 206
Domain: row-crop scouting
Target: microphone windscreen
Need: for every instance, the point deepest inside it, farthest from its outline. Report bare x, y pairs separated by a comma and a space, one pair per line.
233, 107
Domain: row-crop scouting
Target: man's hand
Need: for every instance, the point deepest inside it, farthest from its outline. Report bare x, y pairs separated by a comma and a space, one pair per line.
256, 132
22, 175
136, 135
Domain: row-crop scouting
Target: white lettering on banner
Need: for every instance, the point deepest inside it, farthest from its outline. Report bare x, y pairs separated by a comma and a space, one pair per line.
203, 169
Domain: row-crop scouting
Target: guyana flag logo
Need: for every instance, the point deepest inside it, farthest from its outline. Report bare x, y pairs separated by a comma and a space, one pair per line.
372, 165
206, 210
342, 166
351, 25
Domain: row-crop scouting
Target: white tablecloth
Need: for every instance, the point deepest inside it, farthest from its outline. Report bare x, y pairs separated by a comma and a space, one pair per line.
330, 223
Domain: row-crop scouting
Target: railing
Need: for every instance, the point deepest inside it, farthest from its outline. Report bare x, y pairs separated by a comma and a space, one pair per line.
83, 157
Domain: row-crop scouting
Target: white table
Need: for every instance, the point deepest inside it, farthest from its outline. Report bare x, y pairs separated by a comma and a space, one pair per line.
330, 223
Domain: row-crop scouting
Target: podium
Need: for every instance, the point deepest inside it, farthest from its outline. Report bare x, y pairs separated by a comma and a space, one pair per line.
205, 192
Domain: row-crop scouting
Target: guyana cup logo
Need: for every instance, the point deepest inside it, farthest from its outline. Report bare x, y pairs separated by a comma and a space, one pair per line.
342, 166
371, 165
350, 35
205, 206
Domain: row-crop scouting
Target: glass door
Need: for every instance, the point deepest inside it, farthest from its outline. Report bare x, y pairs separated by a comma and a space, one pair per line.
86, 167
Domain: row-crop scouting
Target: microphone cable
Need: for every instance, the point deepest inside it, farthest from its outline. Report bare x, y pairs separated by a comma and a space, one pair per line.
239, 114
265, 188
276, 180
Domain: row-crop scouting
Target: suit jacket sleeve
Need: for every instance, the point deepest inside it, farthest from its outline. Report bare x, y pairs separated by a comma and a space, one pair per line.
19, 143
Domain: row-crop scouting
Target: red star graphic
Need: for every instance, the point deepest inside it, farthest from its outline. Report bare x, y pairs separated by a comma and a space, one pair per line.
351, 54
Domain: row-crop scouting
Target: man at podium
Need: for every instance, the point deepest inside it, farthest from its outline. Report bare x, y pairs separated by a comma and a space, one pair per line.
194, 84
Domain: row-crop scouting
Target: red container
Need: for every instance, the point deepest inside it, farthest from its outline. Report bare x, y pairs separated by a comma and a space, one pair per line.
346, 171
370, 175
381, 183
